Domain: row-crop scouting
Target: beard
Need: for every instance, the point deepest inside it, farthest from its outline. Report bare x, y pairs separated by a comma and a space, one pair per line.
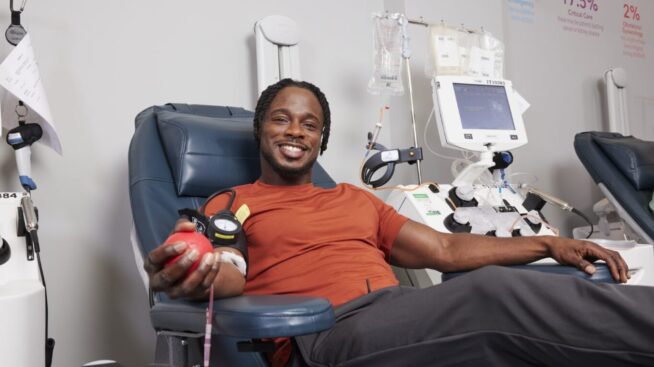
287, 172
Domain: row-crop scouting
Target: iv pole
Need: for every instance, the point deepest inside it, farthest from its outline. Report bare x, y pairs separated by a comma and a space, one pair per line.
406, 54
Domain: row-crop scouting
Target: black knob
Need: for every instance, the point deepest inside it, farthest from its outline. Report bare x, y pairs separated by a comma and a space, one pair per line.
502, 160
5, 252
500, 233
462, 196
453, 223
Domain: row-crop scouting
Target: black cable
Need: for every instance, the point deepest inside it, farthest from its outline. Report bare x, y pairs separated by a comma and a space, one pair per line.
49, 343
38, 260
574, 210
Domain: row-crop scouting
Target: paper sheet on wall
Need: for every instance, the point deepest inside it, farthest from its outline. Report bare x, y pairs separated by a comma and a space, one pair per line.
20, 77
521, 102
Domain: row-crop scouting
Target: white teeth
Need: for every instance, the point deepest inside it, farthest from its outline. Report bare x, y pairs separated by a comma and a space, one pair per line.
291, 148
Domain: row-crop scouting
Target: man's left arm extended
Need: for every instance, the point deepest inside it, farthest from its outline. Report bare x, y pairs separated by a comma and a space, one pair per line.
419, 246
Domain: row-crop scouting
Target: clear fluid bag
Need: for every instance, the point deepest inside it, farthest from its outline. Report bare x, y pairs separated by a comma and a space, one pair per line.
443, 51
387, 55
487, 57
466, 40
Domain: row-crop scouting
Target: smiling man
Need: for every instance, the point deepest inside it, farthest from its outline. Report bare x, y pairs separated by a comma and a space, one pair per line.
339, 243
292, 135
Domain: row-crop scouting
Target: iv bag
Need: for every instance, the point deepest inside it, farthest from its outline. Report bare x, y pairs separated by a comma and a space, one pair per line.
497, 48
443, 50
466, 40
387, 55
486, 57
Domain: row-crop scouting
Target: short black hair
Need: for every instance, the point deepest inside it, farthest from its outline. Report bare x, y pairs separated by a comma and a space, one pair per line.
267, 96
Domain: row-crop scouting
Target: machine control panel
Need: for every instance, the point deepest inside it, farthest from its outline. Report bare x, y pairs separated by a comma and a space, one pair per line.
474, 209
497, 212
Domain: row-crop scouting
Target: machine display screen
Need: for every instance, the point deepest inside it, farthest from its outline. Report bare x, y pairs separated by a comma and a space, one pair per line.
483, 107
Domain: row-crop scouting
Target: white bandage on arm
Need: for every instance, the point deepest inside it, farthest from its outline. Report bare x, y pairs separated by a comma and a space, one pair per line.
236, 260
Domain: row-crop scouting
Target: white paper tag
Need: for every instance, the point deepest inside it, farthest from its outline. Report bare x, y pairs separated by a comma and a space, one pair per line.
20, 76
447, 51
520, 102
390, 156
482, 62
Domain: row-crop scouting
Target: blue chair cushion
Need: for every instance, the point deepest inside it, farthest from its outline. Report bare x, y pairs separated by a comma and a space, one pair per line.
208, 152
604, 171
634, 158
250, 316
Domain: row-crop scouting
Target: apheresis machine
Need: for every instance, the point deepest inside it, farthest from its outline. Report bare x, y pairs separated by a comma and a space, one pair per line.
480, 114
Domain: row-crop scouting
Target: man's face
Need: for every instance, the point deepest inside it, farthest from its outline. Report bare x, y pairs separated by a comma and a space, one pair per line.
290, 135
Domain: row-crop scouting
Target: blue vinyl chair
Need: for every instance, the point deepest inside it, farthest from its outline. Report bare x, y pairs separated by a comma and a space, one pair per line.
178, 156
623, 168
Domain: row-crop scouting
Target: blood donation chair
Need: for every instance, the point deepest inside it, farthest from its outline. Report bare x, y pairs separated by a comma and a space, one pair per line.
178, 156
623, 168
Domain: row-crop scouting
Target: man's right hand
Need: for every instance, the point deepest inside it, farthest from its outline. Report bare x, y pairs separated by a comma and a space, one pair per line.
172, 278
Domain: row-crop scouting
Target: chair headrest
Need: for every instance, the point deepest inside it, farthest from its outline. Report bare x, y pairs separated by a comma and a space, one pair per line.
205, 153
633, 157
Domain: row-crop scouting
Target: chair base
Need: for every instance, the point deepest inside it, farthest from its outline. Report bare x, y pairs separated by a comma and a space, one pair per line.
178, 349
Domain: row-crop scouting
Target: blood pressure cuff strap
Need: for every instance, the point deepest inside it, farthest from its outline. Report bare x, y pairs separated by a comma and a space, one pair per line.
201, 224
633, 157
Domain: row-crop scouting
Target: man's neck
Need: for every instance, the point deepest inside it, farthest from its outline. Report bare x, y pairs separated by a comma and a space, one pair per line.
284, 181
273, 178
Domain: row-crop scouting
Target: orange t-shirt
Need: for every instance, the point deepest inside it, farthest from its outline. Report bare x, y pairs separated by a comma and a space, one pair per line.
305, 240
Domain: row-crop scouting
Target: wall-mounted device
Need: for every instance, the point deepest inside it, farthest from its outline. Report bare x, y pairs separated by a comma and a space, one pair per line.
278, 53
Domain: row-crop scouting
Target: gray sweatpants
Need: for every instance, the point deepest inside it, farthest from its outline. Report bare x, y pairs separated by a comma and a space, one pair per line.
494, 316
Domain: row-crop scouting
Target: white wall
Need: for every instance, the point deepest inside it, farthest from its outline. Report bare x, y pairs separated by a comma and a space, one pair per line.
558, 72
104, 61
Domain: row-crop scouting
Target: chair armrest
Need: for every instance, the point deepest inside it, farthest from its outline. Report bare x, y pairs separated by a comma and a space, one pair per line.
602, 273
251, 316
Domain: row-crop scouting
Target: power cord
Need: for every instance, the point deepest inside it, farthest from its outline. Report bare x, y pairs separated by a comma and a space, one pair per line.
49, 342
29, 218
560, 203
582, 215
